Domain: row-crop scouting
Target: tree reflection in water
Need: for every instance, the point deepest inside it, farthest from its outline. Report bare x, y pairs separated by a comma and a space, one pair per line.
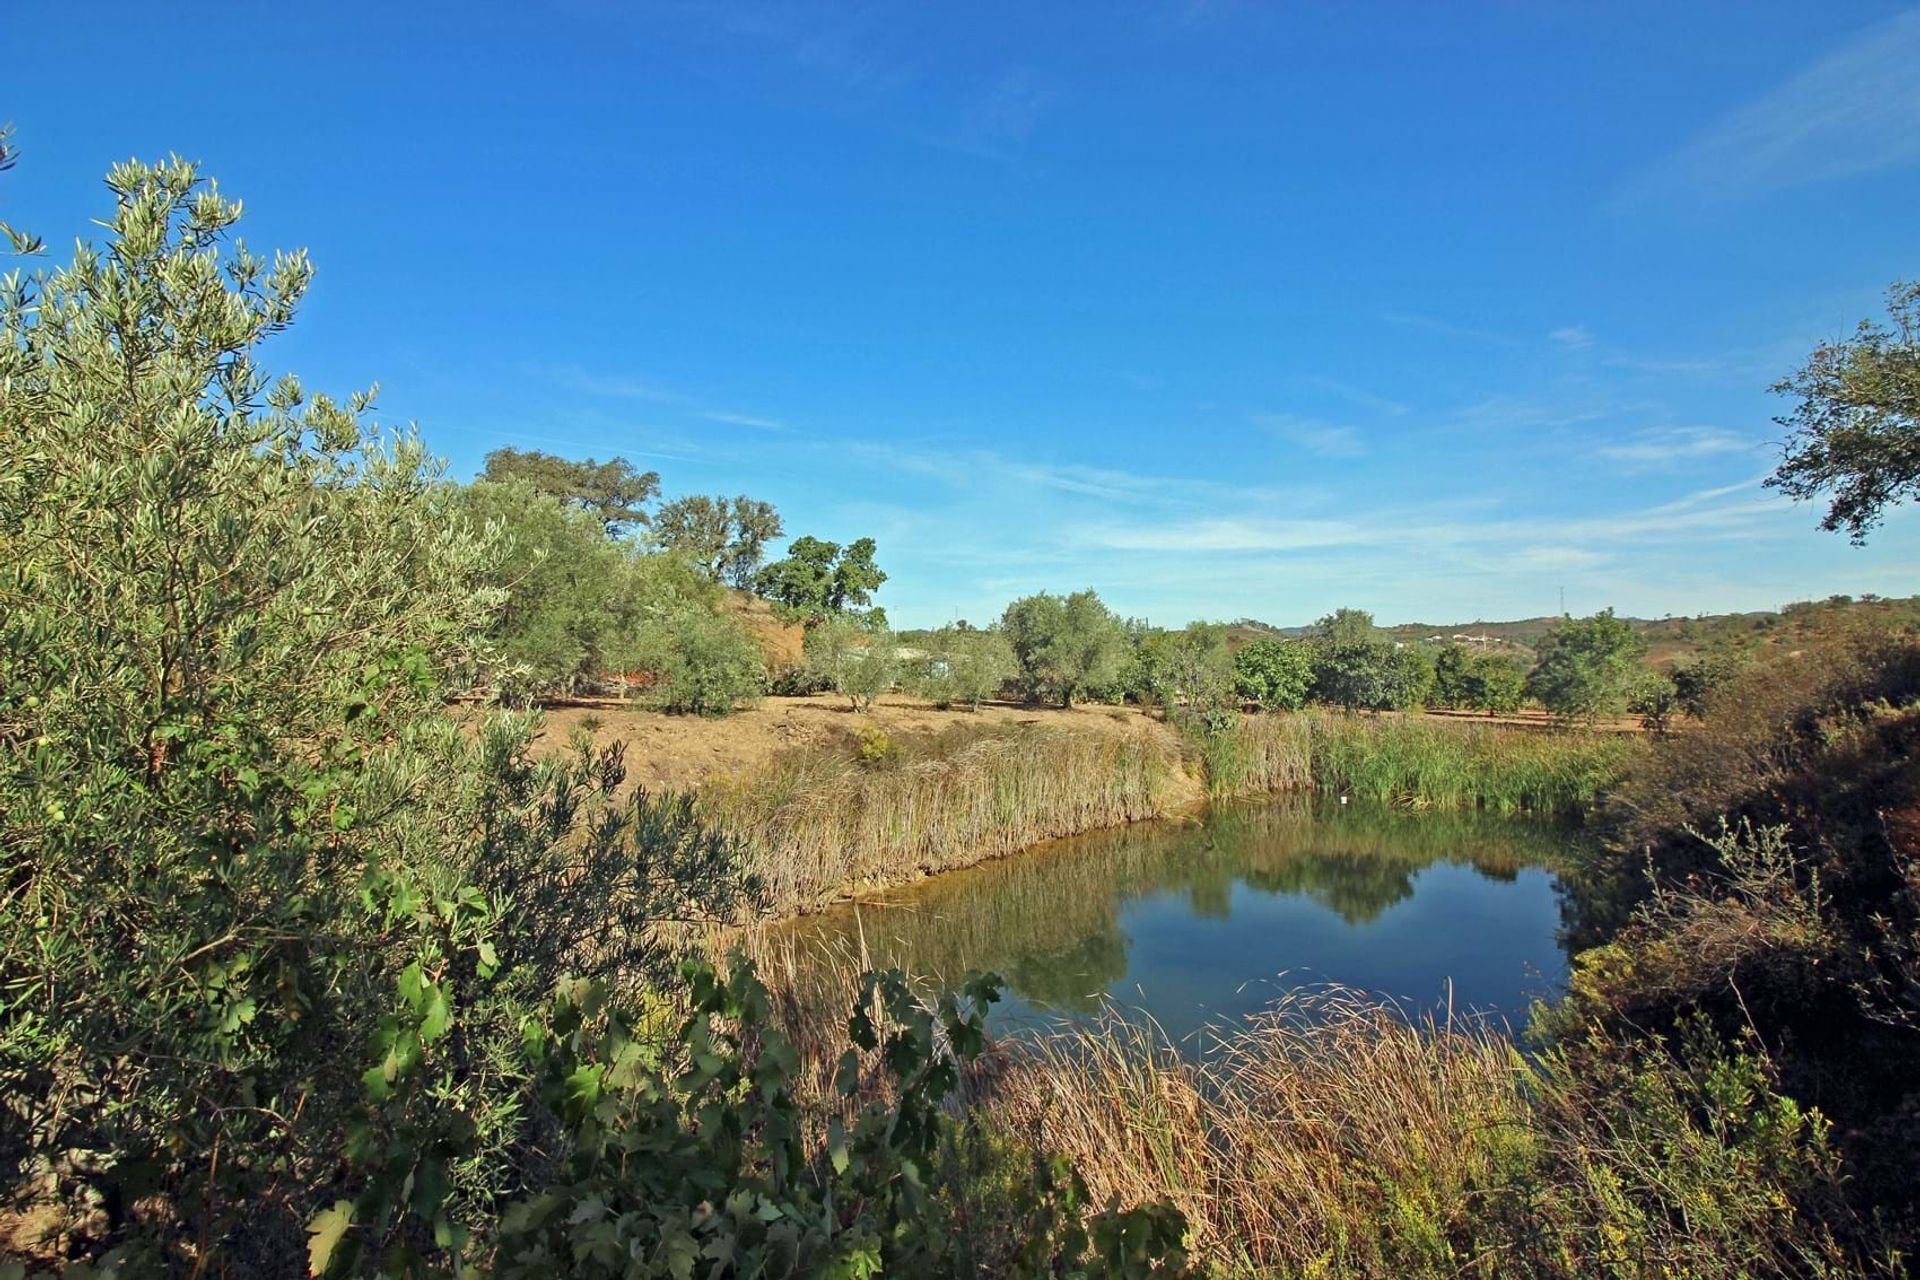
1052, 920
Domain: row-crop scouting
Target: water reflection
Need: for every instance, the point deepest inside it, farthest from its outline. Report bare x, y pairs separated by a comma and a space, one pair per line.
1195, 919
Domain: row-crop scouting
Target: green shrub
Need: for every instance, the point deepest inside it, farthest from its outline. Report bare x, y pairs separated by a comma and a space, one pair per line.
574, 600
1274, 673
701, 662
876, 748
238, 814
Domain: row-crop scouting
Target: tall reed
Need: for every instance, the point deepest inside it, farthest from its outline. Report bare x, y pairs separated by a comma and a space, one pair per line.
822, 821
1331, 1137
1405, 760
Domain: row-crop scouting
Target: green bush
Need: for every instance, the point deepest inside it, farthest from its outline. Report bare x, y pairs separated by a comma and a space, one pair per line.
237, 816
574, 600
1274, 673
700, 662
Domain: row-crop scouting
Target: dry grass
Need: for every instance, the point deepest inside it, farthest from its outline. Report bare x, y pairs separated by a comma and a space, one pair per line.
833, 818
681, 753
1327, 1136
1331, 1137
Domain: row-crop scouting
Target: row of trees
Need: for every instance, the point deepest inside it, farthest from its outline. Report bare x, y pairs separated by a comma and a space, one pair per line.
1068, 648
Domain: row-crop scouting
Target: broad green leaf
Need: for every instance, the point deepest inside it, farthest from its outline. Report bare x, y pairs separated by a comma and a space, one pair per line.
324, 1233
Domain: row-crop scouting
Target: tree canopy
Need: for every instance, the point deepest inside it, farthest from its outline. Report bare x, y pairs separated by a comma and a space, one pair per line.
820, 579
726, 538
1274, 673
1587, 667
1854, 436
1064, 645
1349, 660
613, 490
1477, 681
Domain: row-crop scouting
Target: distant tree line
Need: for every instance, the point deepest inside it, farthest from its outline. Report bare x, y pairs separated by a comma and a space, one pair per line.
1066, 649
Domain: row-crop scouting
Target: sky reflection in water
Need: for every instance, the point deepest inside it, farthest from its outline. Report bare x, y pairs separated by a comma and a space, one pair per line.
1203, 921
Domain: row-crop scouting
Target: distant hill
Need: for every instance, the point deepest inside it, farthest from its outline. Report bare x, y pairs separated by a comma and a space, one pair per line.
1668, 639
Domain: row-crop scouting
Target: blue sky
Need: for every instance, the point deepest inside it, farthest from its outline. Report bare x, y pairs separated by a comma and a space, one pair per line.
1224, 309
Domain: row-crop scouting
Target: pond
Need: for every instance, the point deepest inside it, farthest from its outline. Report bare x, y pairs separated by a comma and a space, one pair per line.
1209, 920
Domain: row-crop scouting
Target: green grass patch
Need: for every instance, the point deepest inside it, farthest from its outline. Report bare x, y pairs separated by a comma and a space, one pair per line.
1405, 760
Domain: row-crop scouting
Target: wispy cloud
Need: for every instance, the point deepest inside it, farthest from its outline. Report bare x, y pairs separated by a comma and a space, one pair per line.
1326, 439
1666, 364
1854, 110
1239, 534
624, 386
1360, 396
1447, 328
863, 59
841, 45
1508, 412
974, 468
996, 121
1573, 337
1727, 510
1662, 446
743, 420
616, 386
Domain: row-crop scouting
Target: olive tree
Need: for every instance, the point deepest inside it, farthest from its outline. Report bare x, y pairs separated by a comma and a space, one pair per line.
698, 661
1191, 668
1064, 645
854, 659
229, 611
966, 667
